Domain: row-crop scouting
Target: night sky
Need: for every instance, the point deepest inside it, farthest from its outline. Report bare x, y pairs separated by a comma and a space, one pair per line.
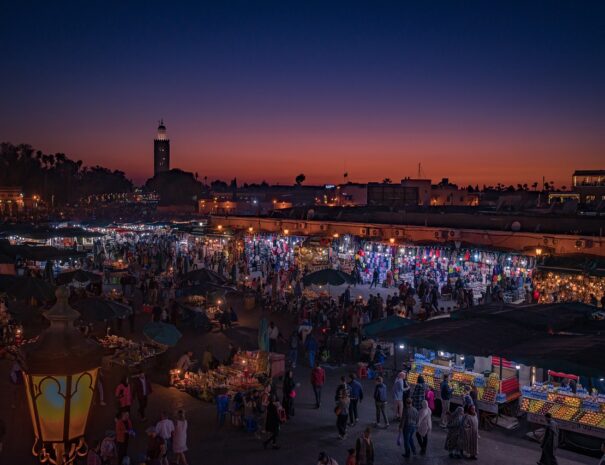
480, 92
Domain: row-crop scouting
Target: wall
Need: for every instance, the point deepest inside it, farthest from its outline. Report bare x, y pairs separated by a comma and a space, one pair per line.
526, 242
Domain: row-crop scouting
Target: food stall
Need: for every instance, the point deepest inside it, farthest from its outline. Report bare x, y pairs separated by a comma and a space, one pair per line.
492, 392
578, 412
126, 353
250, 370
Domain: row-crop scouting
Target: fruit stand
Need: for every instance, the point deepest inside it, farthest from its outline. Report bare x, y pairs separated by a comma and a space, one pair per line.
492, 393
581, 412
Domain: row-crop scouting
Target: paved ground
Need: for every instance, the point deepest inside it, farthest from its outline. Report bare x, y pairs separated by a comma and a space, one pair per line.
302, 438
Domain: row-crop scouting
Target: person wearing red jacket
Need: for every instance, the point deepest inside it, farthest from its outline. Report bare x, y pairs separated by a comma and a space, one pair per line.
318, 378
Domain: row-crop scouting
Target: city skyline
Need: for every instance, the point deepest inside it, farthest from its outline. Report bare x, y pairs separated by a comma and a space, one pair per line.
265, 92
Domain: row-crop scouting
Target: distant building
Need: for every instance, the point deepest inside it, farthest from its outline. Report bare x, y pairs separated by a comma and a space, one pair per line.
353, 194
11, 201
588, 188
446, 193
392, 195
161, 150
589, 185
423, 187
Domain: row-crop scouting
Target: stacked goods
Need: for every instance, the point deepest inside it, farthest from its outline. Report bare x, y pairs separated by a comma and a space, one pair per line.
487, 388
564, 405
244, 374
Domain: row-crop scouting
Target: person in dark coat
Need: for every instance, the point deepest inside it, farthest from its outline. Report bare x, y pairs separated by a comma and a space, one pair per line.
142, 390
289, 393
273, 422
550, 442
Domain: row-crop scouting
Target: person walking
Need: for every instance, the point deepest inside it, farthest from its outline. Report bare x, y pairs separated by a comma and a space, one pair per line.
342, 413
289, 393
273, 333
293, 353
142, 390
123, 395
453, 440
94, 456
356, 396
325, 459
446, 395
123, 430
550, 442
398, 389
109, 450
272, 422
311, 348
467, 400
364, 449
380, 399
425, 425
165, 430
470, 433
179, 442
407, 427
419, 393
375, 276
156, 447
318, 379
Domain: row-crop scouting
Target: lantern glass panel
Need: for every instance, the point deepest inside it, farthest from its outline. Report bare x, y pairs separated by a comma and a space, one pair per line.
83, 387
49, 394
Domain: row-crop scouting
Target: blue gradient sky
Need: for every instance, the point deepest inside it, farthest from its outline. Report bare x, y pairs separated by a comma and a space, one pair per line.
482, 92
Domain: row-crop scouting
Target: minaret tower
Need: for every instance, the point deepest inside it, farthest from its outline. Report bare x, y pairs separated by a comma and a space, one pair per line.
161, 150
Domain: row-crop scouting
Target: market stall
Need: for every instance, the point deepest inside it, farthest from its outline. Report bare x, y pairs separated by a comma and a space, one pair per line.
578, 412
129, 354
568, 286
492, 391
249, 371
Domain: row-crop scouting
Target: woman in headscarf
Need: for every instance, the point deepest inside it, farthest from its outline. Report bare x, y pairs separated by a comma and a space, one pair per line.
550, 442
470, 433
425, 425
453, 441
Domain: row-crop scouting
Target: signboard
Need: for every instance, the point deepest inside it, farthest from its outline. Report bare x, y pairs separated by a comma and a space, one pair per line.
569, 426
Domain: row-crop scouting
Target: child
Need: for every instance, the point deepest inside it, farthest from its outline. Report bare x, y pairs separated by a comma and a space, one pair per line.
351, 457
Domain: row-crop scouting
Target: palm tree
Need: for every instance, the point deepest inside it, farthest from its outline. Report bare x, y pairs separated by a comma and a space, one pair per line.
534, 185
387, 181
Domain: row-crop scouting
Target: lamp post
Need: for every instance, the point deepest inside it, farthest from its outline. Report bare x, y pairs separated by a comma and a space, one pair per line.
60, 371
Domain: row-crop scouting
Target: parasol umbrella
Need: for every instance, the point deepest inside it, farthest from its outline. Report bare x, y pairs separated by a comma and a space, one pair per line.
328, 276
389, 323
79, 276
204, 275
97, 309
208, 290
162, 333
27, 287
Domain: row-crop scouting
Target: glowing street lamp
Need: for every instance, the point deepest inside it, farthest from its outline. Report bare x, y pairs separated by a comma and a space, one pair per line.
60, 371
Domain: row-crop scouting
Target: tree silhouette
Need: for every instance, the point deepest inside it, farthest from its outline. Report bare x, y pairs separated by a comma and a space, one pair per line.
387, 181
300, 179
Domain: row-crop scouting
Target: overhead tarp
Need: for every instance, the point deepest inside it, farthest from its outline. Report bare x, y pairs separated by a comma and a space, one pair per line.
557, 336
568, 316
583, 355
386, 324
32, 232
574, 263
37, 253
475, 336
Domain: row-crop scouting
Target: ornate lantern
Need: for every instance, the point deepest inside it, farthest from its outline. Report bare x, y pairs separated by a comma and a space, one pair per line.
60, 371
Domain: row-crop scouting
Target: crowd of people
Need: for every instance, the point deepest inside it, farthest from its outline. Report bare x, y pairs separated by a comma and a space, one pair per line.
327, 330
